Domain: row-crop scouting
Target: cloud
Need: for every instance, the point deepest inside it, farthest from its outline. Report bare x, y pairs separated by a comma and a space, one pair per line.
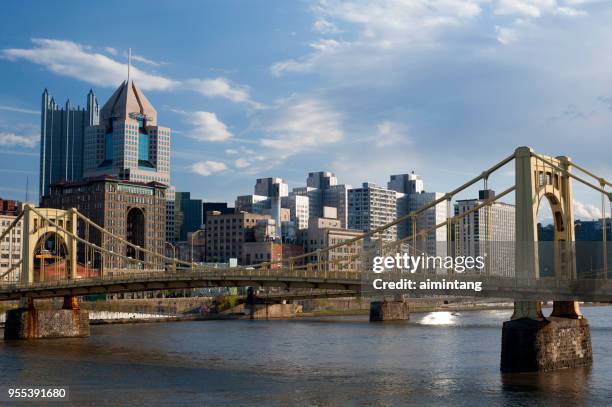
19, 110
206, 168
391, 133
139, 58
586, 211
68, 58
505, 35
16, 140
325, 27
536, 8
111, 50
242, 163
299, 124
221, 87
207, 126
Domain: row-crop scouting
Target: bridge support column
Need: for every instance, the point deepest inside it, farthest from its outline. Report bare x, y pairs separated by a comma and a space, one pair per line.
381, 311
31, 323
532, 343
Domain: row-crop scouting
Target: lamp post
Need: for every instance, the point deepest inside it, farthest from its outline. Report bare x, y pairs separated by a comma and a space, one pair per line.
193, 237
173, 253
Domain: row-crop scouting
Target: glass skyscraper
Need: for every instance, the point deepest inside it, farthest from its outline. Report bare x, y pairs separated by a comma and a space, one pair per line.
62, 135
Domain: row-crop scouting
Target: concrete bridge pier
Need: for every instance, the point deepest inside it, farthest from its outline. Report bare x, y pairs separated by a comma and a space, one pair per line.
27, 322
258, 308
533, 343
396, 310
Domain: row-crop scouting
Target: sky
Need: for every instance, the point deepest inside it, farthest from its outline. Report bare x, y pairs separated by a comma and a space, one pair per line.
366, 89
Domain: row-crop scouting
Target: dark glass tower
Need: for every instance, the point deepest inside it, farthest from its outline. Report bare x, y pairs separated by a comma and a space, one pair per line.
62, 135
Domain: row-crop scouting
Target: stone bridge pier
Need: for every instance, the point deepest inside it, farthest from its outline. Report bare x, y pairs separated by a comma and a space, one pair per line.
27, 322
389, 310
259, 308
534, 343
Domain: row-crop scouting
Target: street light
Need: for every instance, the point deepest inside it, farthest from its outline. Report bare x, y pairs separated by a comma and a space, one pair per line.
193, 236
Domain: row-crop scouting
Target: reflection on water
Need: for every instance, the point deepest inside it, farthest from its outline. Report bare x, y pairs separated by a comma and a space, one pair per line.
440, 318
436, 359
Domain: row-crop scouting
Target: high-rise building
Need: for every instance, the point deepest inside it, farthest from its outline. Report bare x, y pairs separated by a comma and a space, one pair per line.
406, 183
411, 197
128, 144
187, 215
225, 234
371, 207
488, 232
323, 190
321, 179
62, 136
220, 207
298, 208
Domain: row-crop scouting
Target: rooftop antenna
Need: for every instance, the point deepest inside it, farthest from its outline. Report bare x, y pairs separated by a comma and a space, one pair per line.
129, 62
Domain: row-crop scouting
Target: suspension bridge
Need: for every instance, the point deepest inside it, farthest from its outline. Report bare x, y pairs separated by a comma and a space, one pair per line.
65, 254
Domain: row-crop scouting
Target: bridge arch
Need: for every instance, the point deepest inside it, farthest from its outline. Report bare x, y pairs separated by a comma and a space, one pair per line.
51, 257
43, 225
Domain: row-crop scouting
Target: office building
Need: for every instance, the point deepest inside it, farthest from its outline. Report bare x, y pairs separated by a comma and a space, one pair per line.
488, 231
226, 233
298, 208
62, 140
325, 232
220, 207
371, 207
133, 211
411, 197
187, 215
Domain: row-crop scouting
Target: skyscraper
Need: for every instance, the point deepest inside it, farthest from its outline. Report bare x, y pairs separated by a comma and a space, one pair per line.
62, 135
411, 197
371, 207
128, 143
488, 231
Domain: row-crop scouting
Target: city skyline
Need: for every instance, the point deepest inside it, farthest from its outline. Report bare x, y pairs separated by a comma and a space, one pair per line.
249, 111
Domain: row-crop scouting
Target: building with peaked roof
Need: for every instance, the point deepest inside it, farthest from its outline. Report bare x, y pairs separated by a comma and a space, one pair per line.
128, 143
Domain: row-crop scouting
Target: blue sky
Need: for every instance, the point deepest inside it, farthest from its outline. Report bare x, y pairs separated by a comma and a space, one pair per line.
364, 89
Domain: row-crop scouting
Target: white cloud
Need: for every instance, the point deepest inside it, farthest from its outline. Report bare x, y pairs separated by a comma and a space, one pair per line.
505, 35
391, 133
221, 87
16, 140
207, 127
301, 124
140, 58
231, 151
242, 163
325, 27
19, 110
586, 211
111, 50
68, 58
537, 8
206, 168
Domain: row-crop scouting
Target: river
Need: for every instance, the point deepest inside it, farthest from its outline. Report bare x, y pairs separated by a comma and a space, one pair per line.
436, 359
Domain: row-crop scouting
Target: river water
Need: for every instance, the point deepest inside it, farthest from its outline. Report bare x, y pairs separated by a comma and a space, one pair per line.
436, 359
